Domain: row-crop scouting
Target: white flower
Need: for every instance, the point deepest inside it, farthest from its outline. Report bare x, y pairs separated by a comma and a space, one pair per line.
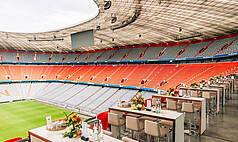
68, 129
139, 105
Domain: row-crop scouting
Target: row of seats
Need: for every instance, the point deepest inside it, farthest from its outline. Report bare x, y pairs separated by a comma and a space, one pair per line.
94, 99
149, 76
203, 49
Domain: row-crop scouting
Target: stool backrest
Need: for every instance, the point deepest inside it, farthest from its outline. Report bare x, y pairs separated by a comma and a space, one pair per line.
194, 93
206, 95
113, 119
132, 123
152, 128
187, 107
171, 105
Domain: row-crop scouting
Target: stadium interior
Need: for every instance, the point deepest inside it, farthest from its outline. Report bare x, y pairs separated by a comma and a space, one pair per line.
178, 59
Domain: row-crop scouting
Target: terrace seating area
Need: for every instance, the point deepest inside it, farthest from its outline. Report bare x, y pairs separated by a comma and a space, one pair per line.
147, 52
148, 76
97, 99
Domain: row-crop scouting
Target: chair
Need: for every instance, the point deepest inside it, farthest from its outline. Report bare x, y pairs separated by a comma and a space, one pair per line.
115, 120
189, 110
134, 124
155, 130
126, 139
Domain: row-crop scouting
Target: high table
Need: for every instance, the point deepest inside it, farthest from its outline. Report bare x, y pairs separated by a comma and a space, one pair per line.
42, 135
222, 92
232, 82
227, 89
176, 117
202, 101
207, 90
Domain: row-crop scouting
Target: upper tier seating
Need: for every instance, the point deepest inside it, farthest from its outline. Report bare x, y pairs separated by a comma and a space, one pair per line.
187, 50
216, 46
171, 52
231, 48
29, 57
152, 53
135, 53
193, 49
93, 56
120, 54
70, 57
106, 55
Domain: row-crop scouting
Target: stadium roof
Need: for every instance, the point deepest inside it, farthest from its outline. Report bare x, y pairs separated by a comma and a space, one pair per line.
131, 22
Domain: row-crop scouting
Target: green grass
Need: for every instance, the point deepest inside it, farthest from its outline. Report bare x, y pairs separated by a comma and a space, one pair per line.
17, 118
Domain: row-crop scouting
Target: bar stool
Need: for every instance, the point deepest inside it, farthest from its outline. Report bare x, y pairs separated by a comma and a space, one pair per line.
156, 130
115, 120
208, 98
179, 103
213, 97
134, 124
194, 93
126, 139
172, 105
200, 94
189, 110
196, 106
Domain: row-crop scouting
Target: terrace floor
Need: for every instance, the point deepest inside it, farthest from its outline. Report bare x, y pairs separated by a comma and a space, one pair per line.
223, 127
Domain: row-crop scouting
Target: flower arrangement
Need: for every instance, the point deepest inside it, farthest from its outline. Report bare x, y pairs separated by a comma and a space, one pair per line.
194, 85
218, 77
138, 102
231, 75
172, 92
211, 80
203, 82
74, 125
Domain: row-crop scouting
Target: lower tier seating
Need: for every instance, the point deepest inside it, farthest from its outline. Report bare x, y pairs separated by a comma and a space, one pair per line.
94, 99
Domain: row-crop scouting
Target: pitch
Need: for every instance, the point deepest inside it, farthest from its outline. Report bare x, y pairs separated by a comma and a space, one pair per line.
17, 118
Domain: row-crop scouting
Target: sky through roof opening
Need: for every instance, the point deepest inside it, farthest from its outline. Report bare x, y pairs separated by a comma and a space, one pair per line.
33, 16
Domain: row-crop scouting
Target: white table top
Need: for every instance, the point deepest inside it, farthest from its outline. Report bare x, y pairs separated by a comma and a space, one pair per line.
202, 89
215, 85
176, 97
56, 136
166, 114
